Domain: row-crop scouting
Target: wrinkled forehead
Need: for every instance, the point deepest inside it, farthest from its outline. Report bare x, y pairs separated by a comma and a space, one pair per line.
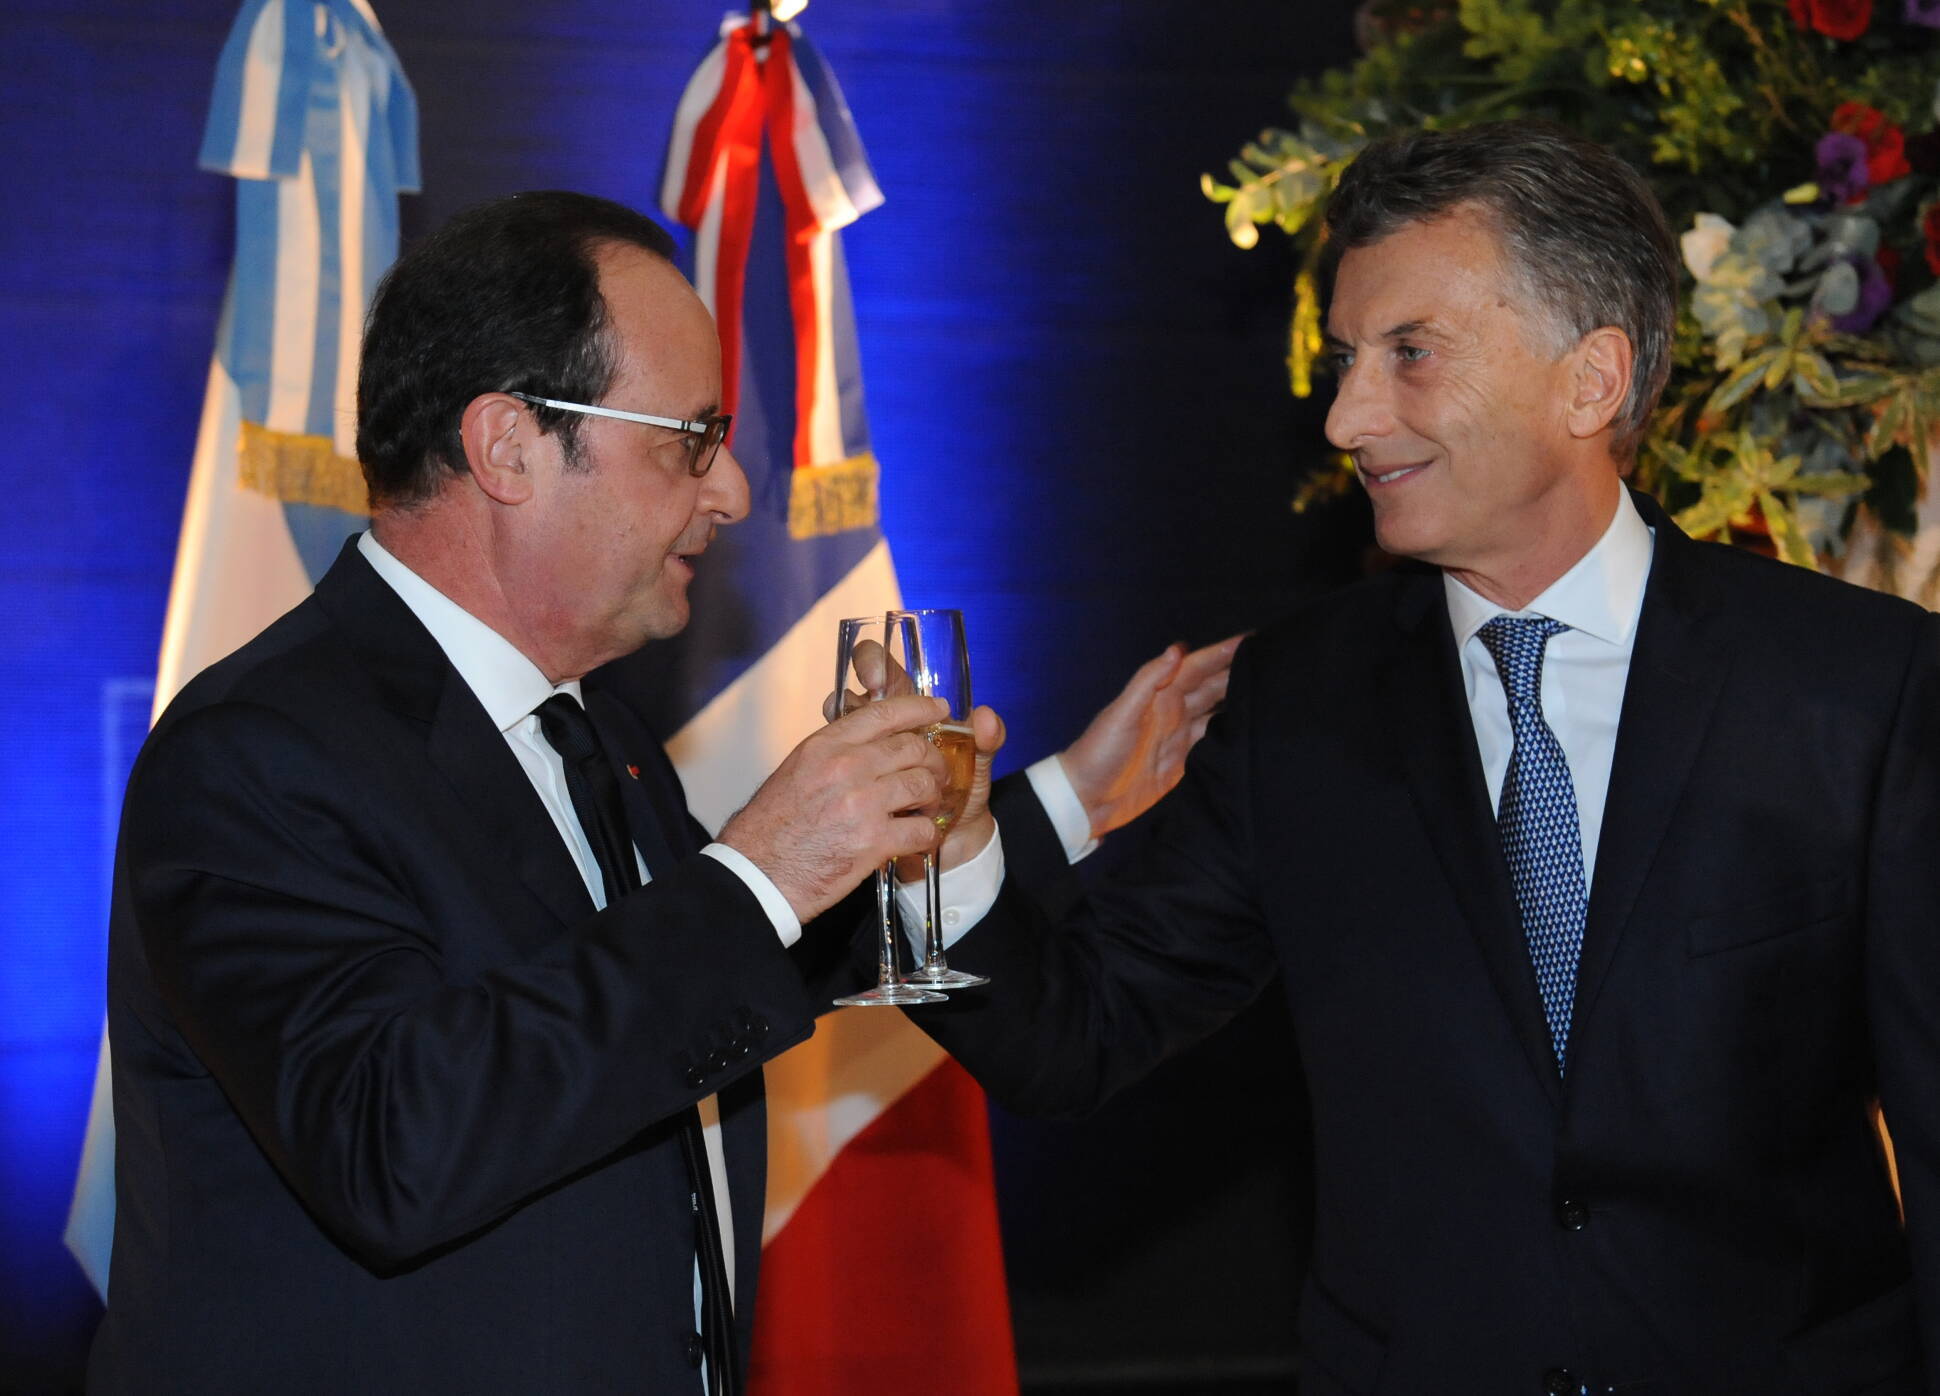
1454, 267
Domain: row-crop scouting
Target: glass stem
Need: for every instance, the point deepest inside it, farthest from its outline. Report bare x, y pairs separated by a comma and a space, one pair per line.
932, 915
886, 960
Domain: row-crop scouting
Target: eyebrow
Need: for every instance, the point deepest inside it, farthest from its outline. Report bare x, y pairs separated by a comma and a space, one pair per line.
1407, 329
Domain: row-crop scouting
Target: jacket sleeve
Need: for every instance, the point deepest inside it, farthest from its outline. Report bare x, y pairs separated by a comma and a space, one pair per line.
1089, 993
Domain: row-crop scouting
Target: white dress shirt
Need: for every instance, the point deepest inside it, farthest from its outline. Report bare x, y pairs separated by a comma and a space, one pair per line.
1584, 668
511, 687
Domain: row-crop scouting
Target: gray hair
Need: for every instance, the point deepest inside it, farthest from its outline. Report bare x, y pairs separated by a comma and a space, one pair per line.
1581, 232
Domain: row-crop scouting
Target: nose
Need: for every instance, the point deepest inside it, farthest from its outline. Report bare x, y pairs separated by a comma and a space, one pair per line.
724, 489
1360, 409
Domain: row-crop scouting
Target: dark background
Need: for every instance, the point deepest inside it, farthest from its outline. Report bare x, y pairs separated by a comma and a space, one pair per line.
1076, 389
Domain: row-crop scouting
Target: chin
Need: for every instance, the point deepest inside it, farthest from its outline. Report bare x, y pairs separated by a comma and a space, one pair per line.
665, 624
1399, 538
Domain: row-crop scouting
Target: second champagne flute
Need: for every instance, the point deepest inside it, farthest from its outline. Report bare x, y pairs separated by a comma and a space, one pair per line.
862, 675
938, 663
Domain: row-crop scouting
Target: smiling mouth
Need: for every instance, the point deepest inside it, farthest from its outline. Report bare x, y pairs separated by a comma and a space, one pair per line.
1376, 478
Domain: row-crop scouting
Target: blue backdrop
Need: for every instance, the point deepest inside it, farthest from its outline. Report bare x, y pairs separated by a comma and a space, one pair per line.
1075, 389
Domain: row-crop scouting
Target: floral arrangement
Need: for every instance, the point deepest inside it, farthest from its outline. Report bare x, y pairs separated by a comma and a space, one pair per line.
1793, 145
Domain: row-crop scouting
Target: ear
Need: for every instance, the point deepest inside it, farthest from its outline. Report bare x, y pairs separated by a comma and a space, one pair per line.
1599, 380
496, 432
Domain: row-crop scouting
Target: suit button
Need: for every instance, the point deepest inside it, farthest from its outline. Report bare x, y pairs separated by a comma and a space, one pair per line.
1559, 1381
717, 1060
757, 1028
695, 1076
694, 1349
1572, 1215
737, 1050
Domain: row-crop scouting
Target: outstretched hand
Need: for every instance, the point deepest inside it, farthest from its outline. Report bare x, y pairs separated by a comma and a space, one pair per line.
1134, 751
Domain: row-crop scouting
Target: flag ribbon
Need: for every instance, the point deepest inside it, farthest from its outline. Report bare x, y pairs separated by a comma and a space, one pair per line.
773, 87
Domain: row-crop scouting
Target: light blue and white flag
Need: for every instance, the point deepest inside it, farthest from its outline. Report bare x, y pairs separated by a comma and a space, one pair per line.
314, 118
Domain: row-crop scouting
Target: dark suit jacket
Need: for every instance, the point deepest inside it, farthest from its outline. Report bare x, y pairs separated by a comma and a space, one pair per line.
392, 1100
1702, 1206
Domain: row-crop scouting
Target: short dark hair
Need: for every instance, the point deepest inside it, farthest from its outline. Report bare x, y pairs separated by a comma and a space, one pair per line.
1579, 228
503, 298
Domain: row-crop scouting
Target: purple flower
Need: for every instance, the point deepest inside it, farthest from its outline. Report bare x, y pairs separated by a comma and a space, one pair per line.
1842, 167
1875, 294
1925, 12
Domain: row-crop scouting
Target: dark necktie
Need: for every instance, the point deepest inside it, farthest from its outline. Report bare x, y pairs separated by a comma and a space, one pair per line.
595, 790
1537, 819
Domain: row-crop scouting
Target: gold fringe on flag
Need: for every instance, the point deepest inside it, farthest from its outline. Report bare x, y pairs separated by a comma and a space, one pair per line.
825, 499
304, 470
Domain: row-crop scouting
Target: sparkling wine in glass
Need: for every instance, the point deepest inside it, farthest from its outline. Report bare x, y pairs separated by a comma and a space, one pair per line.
938, 664
863, 675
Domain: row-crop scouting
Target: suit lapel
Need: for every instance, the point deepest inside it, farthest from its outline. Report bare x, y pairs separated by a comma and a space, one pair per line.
1421, 692
1676, 673
655, 813
413, 676
490, 782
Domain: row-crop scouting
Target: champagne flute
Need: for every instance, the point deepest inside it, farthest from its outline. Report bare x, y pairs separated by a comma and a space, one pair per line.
938, 664
862, 675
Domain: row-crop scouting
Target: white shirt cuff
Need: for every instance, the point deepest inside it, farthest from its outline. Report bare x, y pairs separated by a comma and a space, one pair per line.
966, 893
1066, 811
788, 925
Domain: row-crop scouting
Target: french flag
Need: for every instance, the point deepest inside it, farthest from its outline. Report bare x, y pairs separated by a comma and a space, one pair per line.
882, 1267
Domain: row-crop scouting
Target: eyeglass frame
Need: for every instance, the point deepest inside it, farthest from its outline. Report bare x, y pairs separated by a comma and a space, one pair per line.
716, 425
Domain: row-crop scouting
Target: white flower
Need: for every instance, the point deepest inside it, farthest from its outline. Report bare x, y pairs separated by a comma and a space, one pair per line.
1705, 243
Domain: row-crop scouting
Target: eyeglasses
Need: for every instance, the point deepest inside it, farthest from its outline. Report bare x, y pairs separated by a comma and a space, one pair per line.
704, 437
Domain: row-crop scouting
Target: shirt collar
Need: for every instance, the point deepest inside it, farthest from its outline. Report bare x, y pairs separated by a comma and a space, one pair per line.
508, 684
1600, 596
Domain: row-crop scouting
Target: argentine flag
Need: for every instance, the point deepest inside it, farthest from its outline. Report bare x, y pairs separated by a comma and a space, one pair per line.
313, 117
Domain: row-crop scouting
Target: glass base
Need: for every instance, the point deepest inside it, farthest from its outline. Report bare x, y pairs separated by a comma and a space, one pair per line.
889, 996
945, 979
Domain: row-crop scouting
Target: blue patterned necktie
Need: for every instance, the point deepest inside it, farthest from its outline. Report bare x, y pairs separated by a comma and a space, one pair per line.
1537, 820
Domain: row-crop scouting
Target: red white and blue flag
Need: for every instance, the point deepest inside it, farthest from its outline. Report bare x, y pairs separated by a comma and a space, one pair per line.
882, 1267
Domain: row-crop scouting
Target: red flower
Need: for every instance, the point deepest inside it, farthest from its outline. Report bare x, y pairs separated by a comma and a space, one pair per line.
1930, 225
1885, 143
1889, 262
1838, 19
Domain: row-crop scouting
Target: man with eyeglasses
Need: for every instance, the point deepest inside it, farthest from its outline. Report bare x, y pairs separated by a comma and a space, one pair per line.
437, 1021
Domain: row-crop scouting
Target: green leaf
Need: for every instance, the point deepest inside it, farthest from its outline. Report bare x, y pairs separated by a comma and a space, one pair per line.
1812, 374
1739, 383
1786, 532
1849, 392
1704, 518
1887, 427
1239, 219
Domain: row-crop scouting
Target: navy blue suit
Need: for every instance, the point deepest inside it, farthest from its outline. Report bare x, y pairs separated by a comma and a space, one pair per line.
393, 1102
1701, 1206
